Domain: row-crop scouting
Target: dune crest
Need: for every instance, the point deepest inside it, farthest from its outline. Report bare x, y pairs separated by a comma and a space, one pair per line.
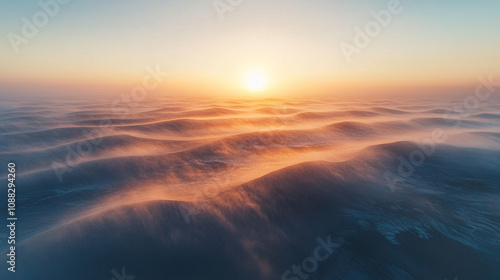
241, 189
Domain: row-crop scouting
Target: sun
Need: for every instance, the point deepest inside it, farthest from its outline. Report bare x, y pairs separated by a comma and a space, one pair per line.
256, 80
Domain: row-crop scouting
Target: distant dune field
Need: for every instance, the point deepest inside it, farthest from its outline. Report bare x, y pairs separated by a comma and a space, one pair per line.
242, 189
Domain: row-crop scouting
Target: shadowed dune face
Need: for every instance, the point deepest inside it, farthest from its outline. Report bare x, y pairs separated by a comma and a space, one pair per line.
241, 189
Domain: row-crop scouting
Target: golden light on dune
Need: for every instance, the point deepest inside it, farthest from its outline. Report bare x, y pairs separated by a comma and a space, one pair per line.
256, 80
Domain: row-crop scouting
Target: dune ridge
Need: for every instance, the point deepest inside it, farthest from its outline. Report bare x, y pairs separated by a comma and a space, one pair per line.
241, 189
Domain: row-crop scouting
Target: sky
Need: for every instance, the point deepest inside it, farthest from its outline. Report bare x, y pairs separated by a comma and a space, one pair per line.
206, 47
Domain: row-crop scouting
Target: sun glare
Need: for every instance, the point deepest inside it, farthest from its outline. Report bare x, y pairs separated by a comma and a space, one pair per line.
256, 80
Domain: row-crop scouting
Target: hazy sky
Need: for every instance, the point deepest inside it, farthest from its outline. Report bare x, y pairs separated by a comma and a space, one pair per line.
107, 45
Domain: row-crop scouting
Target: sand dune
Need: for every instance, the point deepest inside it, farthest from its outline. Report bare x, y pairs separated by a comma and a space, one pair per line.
242, 189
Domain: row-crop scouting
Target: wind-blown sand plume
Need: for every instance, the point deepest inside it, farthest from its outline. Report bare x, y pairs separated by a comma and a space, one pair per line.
242, 189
